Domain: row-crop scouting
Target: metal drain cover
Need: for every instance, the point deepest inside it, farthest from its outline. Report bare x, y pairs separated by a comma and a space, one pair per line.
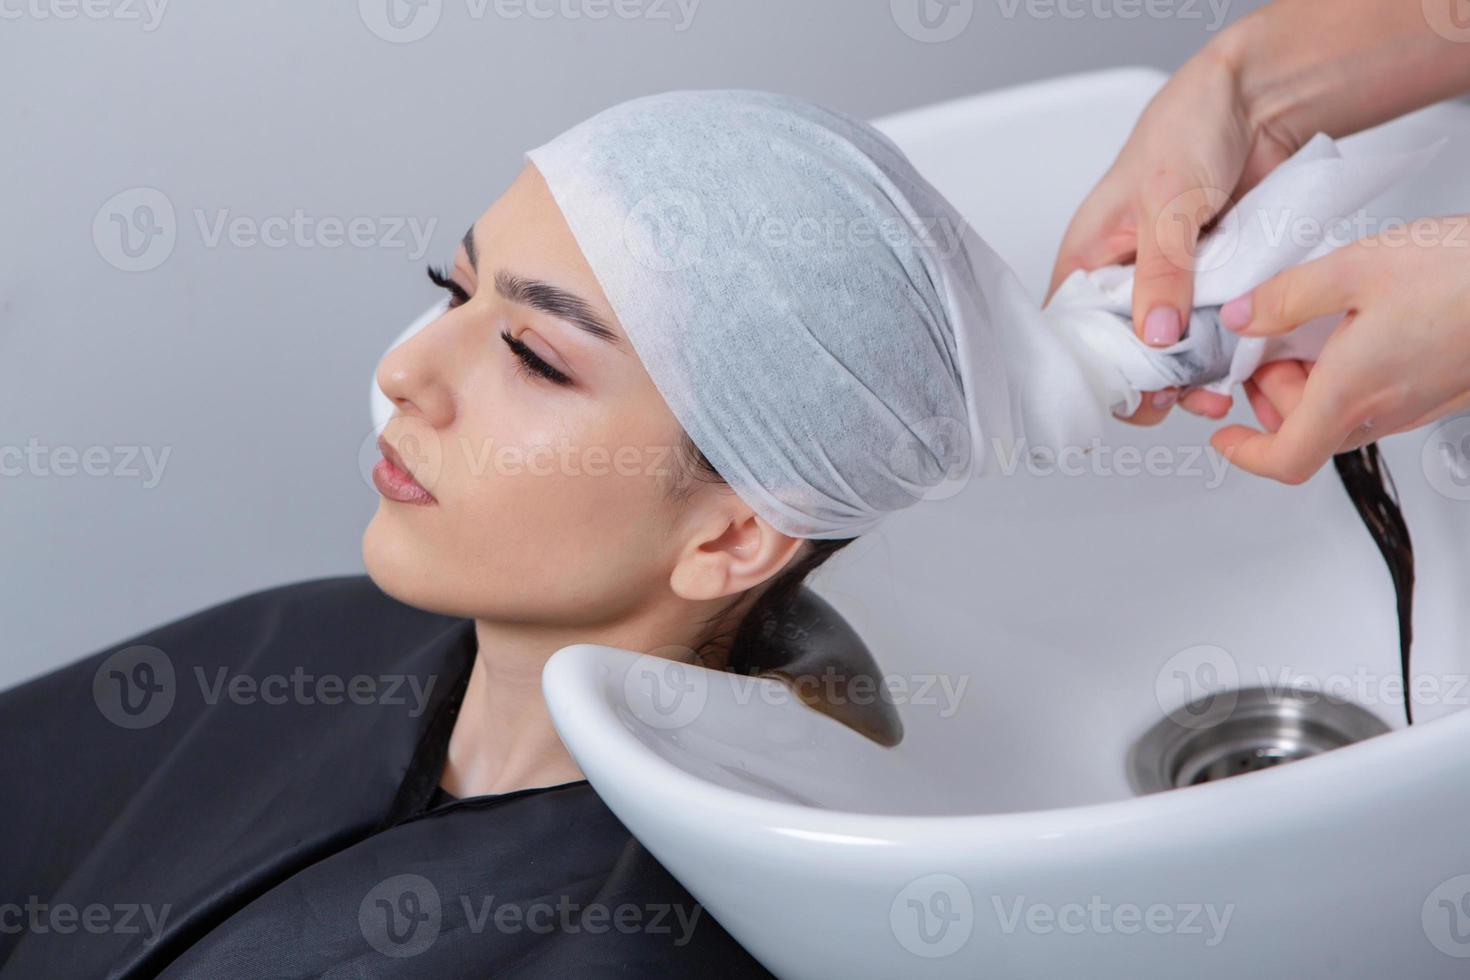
1234, 732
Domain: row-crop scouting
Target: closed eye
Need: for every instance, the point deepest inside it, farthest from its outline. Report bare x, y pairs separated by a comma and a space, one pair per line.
441, 278
531, 362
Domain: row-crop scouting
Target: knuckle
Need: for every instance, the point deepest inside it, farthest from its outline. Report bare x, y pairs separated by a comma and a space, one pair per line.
1278, 301
1293, 473
1166, 270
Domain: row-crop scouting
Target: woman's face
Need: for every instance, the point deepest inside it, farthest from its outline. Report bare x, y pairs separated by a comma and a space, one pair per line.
547, 451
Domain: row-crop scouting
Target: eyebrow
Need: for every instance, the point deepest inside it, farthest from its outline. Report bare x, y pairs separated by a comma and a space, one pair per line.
549, 299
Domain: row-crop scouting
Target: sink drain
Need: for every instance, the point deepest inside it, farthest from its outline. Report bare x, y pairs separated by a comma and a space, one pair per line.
1234, 732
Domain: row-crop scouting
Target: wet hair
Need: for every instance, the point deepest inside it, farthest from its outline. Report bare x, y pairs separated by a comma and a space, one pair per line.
1363, 472
1369, 486
740, 647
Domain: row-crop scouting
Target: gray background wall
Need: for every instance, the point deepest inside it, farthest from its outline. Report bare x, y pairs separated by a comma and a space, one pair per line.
247, 359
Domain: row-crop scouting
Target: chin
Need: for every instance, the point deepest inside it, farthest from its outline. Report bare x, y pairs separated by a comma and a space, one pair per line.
410, 569
396, 567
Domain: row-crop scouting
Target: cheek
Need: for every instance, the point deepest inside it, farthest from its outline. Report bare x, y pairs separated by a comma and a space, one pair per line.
557, 499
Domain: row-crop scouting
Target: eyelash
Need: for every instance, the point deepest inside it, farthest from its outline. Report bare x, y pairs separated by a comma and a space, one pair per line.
439, 276
529, 361
532, 363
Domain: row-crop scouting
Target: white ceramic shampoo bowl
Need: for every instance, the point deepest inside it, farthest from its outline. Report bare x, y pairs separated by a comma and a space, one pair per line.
1066, 614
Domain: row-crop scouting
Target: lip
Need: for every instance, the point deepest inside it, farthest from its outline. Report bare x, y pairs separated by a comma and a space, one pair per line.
394, 481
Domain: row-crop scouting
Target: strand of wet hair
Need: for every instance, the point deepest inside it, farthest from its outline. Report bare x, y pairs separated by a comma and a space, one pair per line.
1370, 487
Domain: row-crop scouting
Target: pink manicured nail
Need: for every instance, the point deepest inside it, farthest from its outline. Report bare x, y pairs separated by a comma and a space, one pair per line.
1163, 399
1236, 314
1161, 326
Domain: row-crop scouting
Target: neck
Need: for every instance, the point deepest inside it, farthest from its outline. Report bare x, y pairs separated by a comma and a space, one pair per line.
503, 738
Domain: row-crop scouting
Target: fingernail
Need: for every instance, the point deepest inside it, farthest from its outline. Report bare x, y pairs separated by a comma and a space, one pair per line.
1163, 399
1236, 314
1161, 326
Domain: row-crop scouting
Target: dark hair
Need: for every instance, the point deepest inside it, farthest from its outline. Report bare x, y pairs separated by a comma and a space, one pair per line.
732, 648
1370, 487
1364, 476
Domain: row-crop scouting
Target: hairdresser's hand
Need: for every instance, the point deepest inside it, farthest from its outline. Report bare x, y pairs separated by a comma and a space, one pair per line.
1192, 153
1399, 359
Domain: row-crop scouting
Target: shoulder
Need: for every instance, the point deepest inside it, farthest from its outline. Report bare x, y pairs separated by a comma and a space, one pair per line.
347, 602
344, 620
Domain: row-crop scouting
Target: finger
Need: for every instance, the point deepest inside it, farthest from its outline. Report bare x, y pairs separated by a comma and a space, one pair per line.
1210, 404
1307, 439
1153, 409
1296, 295
1266, 413
1283, 383
1099, 235
1172, 212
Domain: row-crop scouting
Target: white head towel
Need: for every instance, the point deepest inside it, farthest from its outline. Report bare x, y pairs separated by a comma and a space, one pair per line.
834, 336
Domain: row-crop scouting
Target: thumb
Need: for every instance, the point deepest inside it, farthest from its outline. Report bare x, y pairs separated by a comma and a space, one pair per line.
1296, 295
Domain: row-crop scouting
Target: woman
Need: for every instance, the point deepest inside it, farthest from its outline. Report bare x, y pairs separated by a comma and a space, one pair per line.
359, 778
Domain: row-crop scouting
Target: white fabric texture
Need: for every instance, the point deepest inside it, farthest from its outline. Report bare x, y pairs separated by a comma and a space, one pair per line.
1299, 212
833, 335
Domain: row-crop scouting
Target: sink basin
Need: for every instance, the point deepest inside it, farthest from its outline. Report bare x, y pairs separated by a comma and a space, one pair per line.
1034, 629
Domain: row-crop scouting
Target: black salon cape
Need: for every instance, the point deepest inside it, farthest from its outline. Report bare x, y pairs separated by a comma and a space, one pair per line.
299, 838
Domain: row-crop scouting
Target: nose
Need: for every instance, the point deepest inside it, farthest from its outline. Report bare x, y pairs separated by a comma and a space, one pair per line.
415, 374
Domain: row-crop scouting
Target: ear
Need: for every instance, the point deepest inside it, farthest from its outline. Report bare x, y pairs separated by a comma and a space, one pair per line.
732, 553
